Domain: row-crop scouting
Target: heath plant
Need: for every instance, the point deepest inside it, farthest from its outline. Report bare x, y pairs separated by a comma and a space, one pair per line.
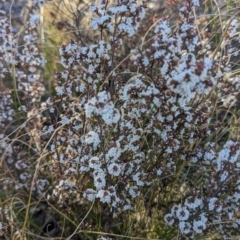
129, 145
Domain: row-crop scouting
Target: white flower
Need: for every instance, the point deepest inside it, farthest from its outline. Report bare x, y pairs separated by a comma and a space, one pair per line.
193, 202
234, 26
133, 191
169, 219
195, 3
185, 227
159, 172
104, 195
224, 175
103, 106
92, 138
84, 168
199, 226
94, 163
114, 169
64, 120
99, 179
185, 26
145, 61
51, 110
225, 156
182, 214
94, 23
113, 153
136, 178
110, 115
203, 217
35, 19
128, 168
60, 91
89, 194
212, 204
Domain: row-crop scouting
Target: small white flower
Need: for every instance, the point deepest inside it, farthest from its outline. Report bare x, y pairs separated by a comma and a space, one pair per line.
94, 163
89, 194
104, 196
34, 19
60, 91
195, 3
203, 217
64, 120
193, 202
51, 110
159, 172
114, 169
113, 153
182, 214
94, 23
145, 61
169, 219
99, 179
136, 178
185, 227
199, 226
92, 138
214, 204
224, 176
134, 191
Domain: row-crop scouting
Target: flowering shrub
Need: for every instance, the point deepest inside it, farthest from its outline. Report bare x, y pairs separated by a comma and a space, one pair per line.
109, 136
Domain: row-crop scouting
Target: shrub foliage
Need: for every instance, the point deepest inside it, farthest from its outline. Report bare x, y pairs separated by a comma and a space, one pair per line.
130, 134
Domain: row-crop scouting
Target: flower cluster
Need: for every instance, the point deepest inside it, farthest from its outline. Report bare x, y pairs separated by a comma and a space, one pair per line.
20, 71
128, 134
212, 208
127, 13
102, 105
